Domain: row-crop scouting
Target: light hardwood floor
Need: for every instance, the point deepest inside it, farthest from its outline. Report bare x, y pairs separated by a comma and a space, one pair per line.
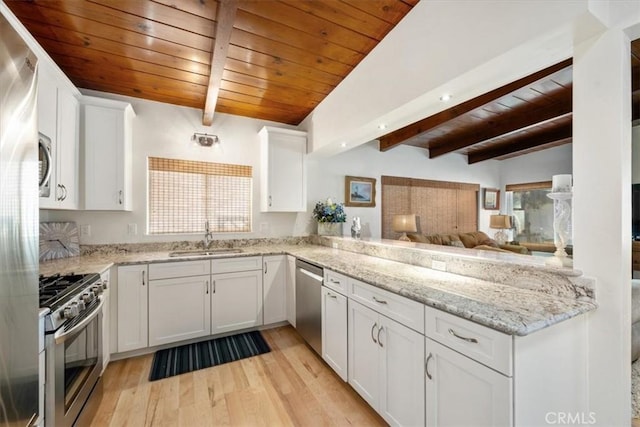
290, 386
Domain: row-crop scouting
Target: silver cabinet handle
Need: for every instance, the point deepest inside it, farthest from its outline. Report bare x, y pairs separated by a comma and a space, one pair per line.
143, 273
379, 341
332, 280
207, 283
330, 295
426, 366
472, 340
265, 267
59, 192
379, 301
120, 197
270, 201
372, 328
64, 192
214, 286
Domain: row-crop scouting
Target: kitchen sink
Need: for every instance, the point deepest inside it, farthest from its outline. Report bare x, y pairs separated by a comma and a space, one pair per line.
206, 252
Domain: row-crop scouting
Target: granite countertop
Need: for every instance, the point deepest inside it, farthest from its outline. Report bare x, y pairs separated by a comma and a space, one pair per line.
509, 309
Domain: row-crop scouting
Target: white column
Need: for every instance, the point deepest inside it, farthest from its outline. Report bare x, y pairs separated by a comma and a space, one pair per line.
602, 218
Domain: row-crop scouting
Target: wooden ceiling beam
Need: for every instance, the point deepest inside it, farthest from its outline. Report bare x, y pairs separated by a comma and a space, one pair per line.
224, 25
523, 143
395, 138
506, 124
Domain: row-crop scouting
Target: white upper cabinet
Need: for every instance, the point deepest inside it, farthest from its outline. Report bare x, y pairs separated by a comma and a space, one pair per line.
107, 137
58, 118
283, 174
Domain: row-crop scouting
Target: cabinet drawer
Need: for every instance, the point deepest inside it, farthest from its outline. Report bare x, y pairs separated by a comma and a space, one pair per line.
168, 270
229, 265
409, 313
336, 281
485, 345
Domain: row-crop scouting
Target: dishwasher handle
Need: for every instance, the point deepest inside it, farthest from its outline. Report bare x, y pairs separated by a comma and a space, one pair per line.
310, 274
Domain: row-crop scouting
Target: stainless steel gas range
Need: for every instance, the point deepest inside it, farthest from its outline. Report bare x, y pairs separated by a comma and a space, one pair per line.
73, 345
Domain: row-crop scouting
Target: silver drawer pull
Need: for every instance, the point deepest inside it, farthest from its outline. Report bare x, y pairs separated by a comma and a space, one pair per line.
330, 295
472, 340
372, 328
379, 301
332, 280
426, 366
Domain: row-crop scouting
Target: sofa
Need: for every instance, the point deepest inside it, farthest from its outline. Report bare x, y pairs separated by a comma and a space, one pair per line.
471, 240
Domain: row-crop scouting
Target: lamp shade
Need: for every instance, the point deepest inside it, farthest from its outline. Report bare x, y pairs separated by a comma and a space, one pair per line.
500, 221
404, 223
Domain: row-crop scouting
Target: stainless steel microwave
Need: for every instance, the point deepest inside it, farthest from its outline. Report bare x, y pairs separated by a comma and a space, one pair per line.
45, 164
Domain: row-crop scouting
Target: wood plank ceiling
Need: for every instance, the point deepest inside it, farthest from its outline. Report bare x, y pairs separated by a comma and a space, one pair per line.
283, 57
531, 114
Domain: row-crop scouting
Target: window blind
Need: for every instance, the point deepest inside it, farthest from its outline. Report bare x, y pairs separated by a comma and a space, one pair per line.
184, 194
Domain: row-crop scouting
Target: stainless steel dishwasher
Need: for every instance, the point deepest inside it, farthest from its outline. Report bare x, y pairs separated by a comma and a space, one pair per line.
308, 303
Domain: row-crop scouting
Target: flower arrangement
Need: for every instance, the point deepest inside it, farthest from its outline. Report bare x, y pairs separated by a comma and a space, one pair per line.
329, 212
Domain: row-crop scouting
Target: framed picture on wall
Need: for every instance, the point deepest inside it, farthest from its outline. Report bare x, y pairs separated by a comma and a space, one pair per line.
491, 199
359, 191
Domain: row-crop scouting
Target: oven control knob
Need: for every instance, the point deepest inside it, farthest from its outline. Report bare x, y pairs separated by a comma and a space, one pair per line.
86, 298
81, 305
74, 309
97, 289
67, 313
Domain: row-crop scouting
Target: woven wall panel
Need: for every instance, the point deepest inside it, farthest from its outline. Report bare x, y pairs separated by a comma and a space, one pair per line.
440, 206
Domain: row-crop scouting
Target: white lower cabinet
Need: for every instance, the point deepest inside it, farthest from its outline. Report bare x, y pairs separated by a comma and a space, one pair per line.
386, 365
274, 288
334, 331
179, 309
133, 319
463, 392
291, 290
236, 301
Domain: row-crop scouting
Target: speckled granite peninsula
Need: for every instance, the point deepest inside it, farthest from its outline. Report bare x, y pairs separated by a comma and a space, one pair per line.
514, 294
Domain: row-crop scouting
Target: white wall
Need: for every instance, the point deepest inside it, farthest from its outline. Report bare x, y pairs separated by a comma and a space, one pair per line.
538, 166
326, 177
165, 130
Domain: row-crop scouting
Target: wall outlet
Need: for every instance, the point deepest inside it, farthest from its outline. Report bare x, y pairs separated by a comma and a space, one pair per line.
439, 265
132, 229
85, 230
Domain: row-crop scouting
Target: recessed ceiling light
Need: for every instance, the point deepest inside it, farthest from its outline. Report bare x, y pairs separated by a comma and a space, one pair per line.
382, 126
445, 97
343, 144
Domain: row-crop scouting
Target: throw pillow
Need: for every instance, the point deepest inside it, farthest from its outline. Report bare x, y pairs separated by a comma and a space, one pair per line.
490, 242
456, 243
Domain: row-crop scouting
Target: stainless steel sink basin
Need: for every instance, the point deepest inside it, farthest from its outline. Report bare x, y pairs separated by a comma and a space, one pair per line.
207, 252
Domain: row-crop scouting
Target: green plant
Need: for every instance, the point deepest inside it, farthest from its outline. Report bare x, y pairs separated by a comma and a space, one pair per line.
329, 212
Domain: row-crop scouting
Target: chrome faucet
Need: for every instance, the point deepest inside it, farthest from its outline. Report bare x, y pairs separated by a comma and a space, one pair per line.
208, 236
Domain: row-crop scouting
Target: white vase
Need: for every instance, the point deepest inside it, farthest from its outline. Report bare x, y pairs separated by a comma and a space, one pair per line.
330, 229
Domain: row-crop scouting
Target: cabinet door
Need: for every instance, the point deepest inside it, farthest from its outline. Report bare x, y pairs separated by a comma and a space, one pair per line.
179, 309
334, 331
402, 364
283, 170
67, 141
236, 301
461, 391
132, 307
106, 320
103, 141
364, 355
291, 290
274, 285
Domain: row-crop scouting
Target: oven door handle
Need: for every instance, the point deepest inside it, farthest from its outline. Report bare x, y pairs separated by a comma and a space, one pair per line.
62, 335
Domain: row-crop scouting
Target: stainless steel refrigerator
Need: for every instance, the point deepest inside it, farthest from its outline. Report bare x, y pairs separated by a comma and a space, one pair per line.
18, 231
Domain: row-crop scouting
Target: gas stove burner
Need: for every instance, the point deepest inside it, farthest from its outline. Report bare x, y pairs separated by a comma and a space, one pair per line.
56, 290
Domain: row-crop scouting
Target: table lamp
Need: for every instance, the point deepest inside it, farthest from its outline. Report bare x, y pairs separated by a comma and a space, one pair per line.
500, 222
404, 224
